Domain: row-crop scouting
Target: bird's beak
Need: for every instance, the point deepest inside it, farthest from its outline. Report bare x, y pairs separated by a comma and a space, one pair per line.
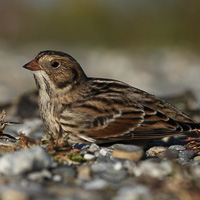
33, 66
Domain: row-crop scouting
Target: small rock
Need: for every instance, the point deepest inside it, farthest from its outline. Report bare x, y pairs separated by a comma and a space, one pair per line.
39, 176
185, 156
89, 156
196, 158
195, 163
114, 175
195, 168
130, 152
84, 172
130, 166
104, 159
104, 151
101, 167
156, 151
96, 184
57, 178
153, 168
118, 166
94, 147
177, 147
67, 173
170, 154
133, 192
31, 128
25, 160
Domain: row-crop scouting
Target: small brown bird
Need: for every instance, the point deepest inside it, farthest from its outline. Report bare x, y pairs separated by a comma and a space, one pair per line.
77, 108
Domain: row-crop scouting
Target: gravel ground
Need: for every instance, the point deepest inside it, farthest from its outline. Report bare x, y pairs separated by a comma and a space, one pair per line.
93, 172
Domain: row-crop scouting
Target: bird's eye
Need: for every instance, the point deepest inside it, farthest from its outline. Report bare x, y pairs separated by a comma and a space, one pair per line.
55, 64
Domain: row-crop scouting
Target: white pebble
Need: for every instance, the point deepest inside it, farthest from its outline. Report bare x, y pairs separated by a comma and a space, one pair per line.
88, 156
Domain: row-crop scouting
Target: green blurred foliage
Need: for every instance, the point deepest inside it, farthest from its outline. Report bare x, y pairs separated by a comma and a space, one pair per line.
113, 23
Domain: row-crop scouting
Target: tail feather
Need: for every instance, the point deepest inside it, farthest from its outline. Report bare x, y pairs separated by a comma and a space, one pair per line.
189, 126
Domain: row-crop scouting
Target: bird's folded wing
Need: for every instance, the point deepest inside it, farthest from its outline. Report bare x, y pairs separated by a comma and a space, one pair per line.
103, 119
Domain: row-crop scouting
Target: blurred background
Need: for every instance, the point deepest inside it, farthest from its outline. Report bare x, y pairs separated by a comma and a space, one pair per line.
152, 45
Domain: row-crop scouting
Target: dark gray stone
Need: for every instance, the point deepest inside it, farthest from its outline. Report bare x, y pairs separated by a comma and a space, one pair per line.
170, 154
185, 156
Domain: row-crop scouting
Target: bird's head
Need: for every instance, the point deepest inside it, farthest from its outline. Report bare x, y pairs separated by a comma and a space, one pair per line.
57, 68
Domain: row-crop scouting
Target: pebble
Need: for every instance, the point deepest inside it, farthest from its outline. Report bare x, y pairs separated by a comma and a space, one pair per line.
118, 166
135, 192
196, 158
156, 151
104, 159
89, 156
67, 173
130, 152
39, 176
195, 168
96, 184
25, 160
84, 172
104, 151
57, 178
185, 156
93, 147
177, 147
114, 176
195, 163
101, 167
31, 128
170, 154
153, 168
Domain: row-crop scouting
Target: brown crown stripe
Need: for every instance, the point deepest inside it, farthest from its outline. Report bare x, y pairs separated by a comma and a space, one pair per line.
57, 53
